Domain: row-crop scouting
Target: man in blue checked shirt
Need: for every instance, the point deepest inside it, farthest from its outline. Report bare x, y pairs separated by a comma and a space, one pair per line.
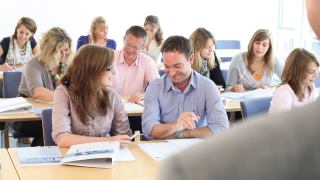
182, 103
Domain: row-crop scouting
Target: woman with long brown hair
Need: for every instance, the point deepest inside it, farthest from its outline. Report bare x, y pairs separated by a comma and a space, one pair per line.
85, 109
255, 68
297, 87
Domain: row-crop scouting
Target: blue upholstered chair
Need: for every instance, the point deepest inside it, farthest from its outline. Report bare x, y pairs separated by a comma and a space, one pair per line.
255, 106
11, 82
47, 127
317, 81
224, 74
226, 49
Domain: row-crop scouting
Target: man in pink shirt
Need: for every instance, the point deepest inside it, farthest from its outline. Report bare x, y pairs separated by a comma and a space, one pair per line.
133, 70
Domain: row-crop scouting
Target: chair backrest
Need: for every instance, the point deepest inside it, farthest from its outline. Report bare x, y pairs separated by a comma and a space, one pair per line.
224, 74
226, 49
11, 82
317, 81
227, 44
47, 127
255, 106
161, 72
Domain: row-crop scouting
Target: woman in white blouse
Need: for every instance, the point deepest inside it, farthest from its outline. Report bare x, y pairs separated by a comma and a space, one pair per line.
297, 87
155, 38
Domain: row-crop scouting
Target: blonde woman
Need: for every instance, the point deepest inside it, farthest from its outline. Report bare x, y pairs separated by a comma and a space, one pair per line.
205, 60
41, 75
98, 35
255, 68
155, 38
297, 87
91, 111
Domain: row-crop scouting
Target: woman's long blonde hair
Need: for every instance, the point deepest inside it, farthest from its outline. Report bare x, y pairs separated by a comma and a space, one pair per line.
50, 45
198, 40
98, 21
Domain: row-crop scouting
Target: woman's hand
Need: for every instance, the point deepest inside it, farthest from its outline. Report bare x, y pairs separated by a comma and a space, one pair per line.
238, 88
5, 67
123, 139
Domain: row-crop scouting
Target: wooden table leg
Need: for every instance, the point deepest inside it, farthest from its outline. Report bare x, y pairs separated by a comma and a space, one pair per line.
6, 138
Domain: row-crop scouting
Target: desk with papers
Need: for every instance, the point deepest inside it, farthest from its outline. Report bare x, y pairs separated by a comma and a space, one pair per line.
143, 167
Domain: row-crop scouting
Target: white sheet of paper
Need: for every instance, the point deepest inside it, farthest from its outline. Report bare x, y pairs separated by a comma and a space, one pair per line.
131, 107
159, 151
185, 143
124, 154
257, 93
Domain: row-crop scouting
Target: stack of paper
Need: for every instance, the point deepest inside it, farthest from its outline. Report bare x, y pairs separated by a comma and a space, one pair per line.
96, 154
47, 155
257, 93
14, 104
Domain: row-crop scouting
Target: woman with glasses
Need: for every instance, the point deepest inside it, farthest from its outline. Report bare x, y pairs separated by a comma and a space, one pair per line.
85, 108
297, 81
255, 68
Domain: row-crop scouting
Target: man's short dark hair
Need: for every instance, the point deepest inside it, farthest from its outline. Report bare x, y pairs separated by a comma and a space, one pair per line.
177, 43
137, 31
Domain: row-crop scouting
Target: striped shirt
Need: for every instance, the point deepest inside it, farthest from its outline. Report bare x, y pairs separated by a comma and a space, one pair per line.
163, 103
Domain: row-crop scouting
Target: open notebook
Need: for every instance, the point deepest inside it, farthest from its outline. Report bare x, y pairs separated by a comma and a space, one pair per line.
96, 154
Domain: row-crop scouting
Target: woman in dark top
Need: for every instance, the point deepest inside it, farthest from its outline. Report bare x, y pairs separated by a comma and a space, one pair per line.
18, 49
206, 61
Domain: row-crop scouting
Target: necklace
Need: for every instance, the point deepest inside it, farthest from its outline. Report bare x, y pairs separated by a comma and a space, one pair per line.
22, 51
57, 76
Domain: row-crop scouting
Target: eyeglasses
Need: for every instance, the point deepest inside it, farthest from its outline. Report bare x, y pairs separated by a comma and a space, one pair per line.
136, 48
109, 69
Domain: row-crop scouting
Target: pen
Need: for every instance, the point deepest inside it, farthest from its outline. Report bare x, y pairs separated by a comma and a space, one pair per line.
133, 136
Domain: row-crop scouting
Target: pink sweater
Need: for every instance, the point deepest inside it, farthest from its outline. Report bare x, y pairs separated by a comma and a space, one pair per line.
65, 119
284, 99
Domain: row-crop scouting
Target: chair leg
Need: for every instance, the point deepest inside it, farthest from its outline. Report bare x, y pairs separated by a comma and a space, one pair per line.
6, 138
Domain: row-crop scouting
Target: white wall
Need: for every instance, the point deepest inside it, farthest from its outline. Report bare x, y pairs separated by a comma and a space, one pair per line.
227, 19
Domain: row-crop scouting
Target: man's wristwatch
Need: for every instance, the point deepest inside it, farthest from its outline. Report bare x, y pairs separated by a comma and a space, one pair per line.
178, 134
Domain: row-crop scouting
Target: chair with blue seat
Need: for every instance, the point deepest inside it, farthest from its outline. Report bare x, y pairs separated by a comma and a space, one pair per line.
224, 74
47, 127
255, 106
227, 49
317, 81
11, 82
